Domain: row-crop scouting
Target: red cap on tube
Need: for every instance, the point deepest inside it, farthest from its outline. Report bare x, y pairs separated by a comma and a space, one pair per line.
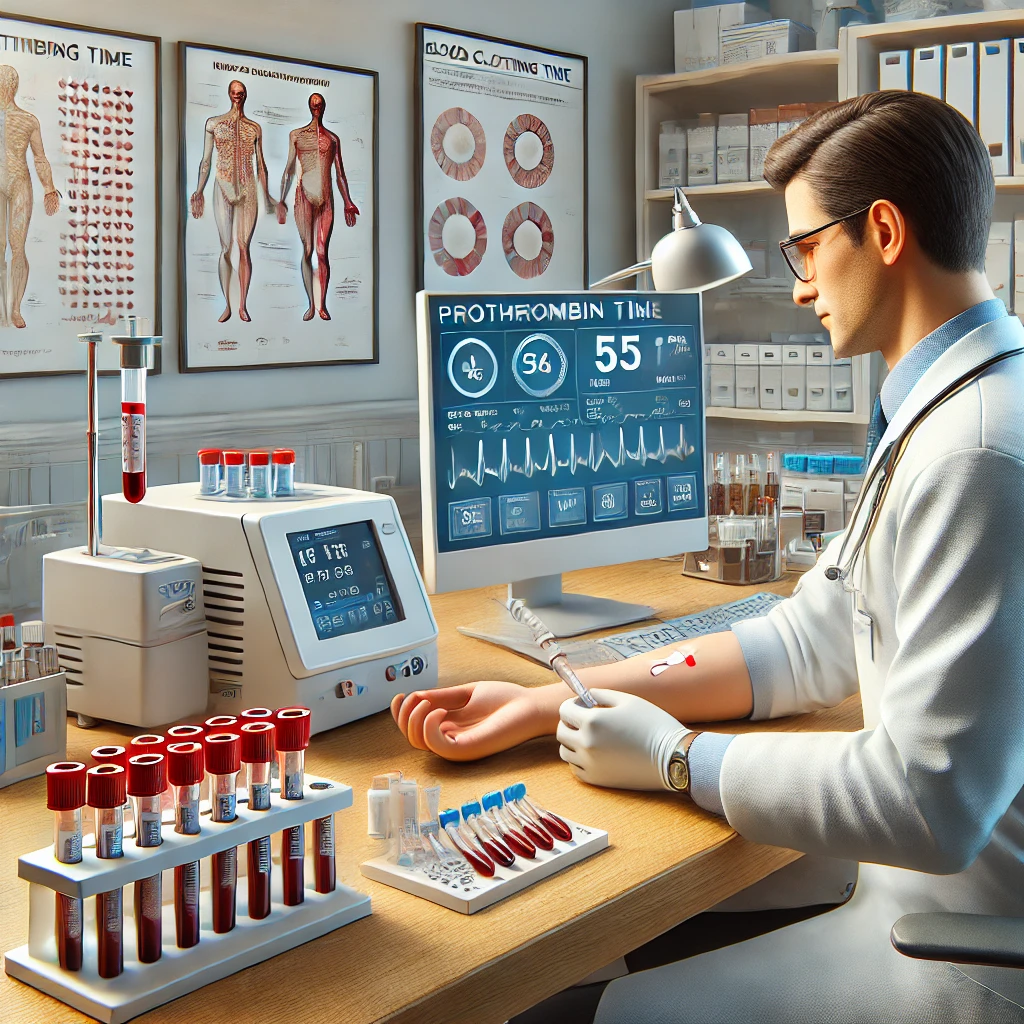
209, 456
65, 786
234, 458
283, 456
220, 723
110, 755
255, 715
222, 753
185, 764
292, 728
258, 742
259, 458
6, 620
147, 743
106, 785
184, 733
146, 775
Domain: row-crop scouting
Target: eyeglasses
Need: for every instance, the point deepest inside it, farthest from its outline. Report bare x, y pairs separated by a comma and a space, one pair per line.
800, 260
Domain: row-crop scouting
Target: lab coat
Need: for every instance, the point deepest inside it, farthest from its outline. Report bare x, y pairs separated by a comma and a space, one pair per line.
929, 796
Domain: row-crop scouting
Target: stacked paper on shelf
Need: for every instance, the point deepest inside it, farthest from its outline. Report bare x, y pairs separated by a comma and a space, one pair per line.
765, 39
697, 31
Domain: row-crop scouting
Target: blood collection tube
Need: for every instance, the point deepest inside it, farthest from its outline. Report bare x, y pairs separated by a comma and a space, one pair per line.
284, 472
220, 723
550, 821
771, 488
146, 784
259, 475
716, 498
65, 796
234, 474
185, 734
257, 753
507, 827
8, 633
209, 470
535, 832
133, 433
486, 835
223, 762
292, 738
147, 743
184, 772
110, 755
478, 859
736, 481
106, 794
255, 715
753, 483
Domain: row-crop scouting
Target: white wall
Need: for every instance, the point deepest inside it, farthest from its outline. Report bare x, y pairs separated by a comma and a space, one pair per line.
621, 38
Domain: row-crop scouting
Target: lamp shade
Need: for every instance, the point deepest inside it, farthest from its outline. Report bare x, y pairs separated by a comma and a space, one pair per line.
693, 257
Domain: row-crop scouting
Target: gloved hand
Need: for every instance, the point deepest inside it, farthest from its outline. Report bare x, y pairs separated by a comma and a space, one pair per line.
625, 743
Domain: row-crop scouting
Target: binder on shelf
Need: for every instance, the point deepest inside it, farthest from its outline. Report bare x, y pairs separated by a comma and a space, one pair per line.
1018, 265
770, 380
1017, 160
961, 79
747, 385
994, 102
929, 67
894, 70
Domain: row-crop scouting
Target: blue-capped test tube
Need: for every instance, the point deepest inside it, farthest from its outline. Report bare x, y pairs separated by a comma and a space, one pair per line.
508, 827
552, 823
481, 861
534, 830
486, 835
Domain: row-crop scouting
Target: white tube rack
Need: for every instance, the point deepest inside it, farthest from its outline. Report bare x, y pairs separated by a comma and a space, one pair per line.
179, 971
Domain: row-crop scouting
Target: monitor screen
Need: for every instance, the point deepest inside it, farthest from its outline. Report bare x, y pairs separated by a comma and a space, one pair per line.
344, 579
558, 414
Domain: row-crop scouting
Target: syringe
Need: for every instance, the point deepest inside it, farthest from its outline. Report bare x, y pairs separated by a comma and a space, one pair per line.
545, 639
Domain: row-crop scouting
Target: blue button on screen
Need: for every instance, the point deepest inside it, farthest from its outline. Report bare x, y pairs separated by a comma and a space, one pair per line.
567, 506
519, 513
682, 492
648, 497
469, 518
611, 501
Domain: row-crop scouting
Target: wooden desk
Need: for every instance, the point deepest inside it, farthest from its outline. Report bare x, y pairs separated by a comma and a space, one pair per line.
412, 961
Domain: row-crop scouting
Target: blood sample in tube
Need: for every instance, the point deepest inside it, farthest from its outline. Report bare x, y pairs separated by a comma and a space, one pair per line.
324, 860
146, 784
222, 765
292, 738
106, 793
257, 753
65, 796
184, 772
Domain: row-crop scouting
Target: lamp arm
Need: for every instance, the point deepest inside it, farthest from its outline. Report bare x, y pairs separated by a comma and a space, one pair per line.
621, 275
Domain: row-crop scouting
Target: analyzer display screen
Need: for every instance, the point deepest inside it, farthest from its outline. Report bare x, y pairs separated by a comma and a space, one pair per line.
344, 579
557, 414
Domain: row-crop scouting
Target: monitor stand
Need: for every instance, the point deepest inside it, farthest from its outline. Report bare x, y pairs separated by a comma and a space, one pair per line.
564, 614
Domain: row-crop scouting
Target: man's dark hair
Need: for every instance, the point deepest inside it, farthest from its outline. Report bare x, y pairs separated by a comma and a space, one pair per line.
912, 149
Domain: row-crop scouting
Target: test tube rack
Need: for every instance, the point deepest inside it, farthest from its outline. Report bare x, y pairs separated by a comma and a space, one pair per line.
471, 892
179, 971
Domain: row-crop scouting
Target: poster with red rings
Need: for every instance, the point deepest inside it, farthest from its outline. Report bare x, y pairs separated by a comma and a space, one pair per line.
502, 204
79, 190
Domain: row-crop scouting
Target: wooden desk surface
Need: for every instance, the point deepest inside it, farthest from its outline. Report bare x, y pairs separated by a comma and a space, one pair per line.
412, 961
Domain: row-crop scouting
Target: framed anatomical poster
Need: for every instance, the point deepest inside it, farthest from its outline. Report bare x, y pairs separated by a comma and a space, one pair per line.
79, 190
278, 211
502, 165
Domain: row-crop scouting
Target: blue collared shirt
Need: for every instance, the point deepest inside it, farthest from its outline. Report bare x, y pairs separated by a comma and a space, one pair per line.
708, 750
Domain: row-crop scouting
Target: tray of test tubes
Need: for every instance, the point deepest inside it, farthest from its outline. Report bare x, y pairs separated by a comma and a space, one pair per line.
469, 858
123, 920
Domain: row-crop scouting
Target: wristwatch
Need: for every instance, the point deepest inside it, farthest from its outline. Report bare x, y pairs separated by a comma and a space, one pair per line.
679, 764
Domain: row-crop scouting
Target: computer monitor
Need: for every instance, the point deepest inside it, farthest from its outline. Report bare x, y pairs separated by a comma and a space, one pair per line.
559, 431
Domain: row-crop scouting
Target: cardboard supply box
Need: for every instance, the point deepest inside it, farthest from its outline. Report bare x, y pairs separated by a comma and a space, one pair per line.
733, 145
790, 115
701, 151
766, 39
697, 31
994, 102
929, 71
764, 130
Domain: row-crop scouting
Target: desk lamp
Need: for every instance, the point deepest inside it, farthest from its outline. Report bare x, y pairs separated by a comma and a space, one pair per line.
693, 257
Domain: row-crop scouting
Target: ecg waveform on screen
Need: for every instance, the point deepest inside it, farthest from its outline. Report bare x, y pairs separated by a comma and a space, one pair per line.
542, 455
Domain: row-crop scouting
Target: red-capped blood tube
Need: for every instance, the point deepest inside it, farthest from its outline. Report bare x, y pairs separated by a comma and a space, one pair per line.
106, 793
292, 738
219, 723
110, 755
256, 715
507, 827
147, 743
209, 470
234, 474
551, 822
146, 784
185, 734
65, 796
283, 461
222, 766
257, 754
486, 835
133, 433
480, 861
184, 772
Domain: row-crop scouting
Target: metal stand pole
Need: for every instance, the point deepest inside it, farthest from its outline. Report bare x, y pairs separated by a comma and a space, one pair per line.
92, 437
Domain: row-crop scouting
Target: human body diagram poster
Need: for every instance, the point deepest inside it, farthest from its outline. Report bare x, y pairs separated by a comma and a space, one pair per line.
79, 192
503, 165
278, 211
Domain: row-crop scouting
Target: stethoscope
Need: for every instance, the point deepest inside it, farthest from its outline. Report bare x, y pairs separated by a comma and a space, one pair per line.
885, 467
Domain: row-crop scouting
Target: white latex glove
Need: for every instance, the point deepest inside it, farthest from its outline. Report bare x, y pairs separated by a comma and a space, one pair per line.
625, 743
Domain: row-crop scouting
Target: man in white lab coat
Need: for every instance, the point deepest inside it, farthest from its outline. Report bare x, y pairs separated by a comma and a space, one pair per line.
889, 198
